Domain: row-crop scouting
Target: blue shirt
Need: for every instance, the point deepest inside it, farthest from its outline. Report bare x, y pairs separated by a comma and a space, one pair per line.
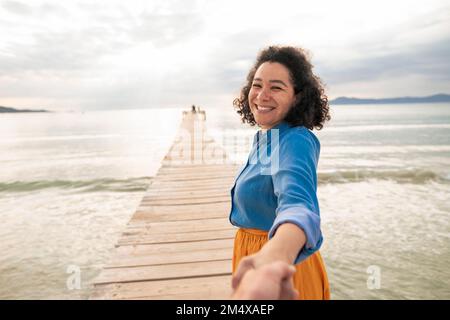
278, 184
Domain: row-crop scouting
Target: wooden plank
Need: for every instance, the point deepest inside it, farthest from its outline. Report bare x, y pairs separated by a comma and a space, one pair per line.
171, 213
197, 175
199, 170
184, 202
191, 186
194, 195
167, 189
174, 226
185, 212
201, 287
155, 249
183, 199
213, 208
199, 188
166, 272
193, 182
175, 194
186, 188
172, 258
179, 237
150, 215
198, 167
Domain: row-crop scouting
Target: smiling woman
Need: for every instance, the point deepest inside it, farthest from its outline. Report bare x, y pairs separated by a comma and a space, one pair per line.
278, 212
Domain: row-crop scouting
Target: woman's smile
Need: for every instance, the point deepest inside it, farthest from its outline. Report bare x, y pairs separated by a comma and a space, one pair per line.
264, 109
271, 95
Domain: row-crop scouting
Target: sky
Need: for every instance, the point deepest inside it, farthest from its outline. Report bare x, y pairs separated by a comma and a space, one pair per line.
83, 55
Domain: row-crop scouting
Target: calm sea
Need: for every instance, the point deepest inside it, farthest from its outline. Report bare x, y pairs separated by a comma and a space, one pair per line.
69, 182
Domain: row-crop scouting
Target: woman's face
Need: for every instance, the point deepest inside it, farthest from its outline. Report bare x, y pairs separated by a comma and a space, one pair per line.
271, 95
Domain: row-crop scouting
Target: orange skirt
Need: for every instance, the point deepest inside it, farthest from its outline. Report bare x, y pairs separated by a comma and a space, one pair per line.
310, 279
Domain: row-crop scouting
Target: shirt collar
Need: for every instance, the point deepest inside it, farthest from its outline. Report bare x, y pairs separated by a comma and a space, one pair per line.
265, 136
282, 126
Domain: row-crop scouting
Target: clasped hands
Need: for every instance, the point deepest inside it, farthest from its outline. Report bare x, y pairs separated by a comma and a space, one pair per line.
263, 276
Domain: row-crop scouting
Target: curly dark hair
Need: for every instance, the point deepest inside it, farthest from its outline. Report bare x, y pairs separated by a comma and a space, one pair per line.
312, 109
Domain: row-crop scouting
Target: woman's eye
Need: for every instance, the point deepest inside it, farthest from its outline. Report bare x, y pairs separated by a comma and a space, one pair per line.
276, 88
256, 85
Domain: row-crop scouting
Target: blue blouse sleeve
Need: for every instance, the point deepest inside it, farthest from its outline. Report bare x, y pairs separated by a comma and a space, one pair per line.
295, 186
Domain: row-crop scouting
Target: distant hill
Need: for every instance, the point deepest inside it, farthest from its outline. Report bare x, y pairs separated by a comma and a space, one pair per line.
429, 99
12, 110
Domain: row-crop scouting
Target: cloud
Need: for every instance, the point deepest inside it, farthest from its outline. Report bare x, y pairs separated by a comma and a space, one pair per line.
166, 29
59, 52
429, 60
169, 53
16, 7
418, 49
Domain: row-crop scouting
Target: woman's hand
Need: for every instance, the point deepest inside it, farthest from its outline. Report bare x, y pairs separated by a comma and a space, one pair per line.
251, 262
268, 282
262, 271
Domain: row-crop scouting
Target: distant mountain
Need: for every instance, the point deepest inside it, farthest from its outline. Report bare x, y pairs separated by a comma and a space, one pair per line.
12, 110
429, 99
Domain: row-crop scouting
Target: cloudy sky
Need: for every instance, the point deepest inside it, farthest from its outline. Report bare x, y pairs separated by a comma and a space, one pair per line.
80, 55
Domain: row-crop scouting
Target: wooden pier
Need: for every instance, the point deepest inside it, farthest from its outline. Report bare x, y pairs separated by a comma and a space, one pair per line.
179, 242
